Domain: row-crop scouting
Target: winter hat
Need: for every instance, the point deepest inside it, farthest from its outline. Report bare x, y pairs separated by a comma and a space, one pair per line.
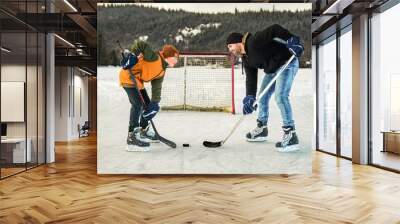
234, 38
169, 51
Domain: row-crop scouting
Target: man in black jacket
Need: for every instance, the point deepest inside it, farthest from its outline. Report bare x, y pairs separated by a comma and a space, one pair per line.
269, 49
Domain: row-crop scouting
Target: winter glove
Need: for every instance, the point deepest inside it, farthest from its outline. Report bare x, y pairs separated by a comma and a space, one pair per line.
126, 53
128, 60
294, 46
151, 111
248, 102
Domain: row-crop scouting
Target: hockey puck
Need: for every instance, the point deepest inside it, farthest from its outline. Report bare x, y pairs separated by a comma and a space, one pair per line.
185, 145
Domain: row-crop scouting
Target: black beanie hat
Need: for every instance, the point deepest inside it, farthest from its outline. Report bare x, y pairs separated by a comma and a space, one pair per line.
234, 38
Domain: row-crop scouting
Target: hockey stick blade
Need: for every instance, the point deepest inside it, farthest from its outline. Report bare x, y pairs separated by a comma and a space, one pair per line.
167, 142
212, 144
162, 139
220, 143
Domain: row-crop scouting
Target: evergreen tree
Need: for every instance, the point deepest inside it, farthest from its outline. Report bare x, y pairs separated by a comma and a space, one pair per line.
164, 26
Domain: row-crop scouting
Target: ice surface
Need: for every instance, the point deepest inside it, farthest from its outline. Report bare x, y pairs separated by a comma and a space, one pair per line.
236, 156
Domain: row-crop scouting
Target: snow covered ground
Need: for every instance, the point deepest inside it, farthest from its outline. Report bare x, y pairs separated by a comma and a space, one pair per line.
236, 157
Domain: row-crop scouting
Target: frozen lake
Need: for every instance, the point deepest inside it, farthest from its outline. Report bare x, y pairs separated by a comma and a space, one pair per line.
237, 156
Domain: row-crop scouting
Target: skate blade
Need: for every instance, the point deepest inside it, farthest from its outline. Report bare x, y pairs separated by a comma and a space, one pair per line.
292, 148
259, 139
135, 148
149, 140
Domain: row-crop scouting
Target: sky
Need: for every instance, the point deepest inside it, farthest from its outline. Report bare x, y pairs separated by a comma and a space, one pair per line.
229, 7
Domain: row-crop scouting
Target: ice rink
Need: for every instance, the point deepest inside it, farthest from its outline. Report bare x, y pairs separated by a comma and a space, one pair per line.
236, 156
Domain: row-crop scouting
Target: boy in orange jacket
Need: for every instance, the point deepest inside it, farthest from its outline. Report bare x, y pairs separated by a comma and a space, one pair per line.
147, 66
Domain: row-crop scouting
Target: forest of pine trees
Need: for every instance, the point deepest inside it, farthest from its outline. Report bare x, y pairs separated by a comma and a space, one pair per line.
160, 26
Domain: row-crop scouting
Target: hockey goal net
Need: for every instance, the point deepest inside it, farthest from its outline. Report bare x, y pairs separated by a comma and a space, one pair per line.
200, 82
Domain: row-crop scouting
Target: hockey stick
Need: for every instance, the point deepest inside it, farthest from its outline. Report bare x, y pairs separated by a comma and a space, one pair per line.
158, 136
220, 143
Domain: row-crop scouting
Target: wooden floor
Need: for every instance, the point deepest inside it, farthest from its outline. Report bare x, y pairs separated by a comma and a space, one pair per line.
10, 171
70, 191
387, 159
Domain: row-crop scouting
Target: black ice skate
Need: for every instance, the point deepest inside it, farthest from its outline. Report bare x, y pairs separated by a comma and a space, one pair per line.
259, 134
290, 142
134, 142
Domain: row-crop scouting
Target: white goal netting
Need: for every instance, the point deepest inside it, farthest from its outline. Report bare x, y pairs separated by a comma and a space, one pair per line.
202, 82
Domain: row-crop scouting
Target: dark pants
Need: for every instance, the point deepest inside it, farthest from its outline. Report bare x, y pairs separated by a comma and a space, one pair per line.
136, 108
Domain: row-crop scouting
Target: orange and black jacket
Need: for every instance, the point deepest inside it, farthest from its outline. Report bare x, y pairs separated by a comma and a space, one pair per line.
149, 68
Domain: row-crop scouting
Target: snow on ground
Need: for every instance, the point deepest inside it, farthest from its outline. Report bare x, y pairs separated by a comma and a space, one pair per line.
190, 32
236, 157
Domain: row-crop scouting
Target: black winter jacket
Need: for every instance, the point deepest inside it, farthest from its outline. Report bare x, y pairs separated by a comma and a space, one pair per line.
262, 52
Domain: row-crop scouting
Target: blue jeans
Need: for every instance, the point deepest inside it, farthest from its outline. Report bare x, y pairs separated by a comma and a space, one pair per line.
281, 88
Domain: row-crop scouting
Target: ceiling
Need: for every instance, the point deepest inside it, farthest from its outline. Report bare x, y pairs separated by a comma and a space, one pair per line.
74, 22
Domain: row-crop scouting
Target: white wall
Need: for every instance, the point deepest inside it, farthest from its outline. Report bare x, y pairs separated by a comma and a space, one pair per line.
71, 94
12, 73
61, 103
81, 101
33, 126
